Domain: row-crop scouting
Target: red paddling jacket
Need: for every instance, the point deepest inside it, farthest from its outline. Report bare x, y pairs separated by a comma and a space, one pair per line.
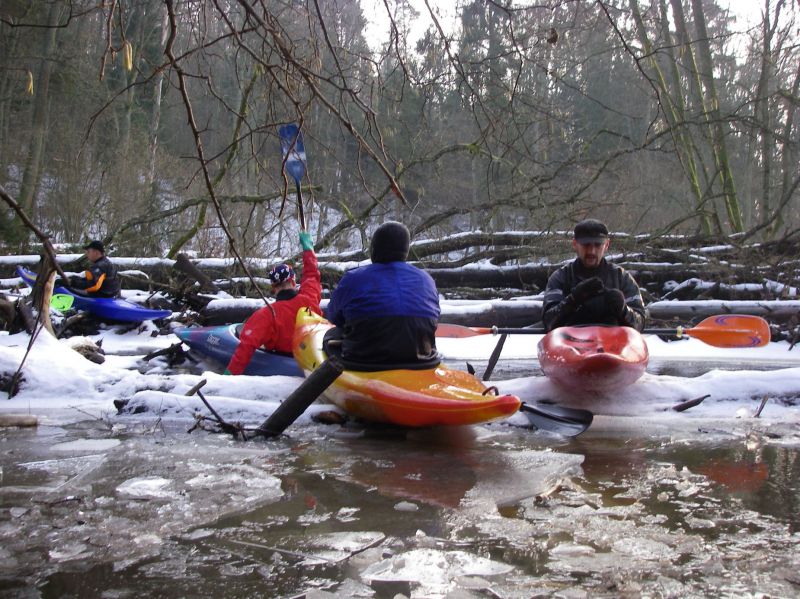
272, 326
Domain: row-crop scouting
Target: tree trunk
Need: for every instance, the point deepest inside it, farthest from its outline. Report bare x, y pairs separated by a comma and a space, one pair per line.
718, 143
762, 204
9, 79
39, 118
690, 153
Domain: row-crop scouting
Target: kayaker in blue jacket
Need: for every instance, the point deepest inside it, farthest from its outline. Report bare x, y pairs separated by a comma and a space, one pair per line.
591, 290
387, 311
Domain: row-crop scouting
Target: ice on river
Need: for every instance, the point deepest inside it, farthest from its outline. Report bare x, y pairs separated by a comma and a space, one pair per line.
433, 572
123, 503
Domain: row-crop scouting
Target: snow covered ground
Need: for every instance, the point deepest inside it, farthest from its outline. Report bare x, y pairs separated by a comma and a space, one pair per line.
62, 386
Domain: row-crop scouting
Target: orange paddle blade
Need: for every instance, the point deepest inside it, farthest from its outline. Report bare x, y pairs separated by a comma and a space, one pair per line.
458, 331
732, 330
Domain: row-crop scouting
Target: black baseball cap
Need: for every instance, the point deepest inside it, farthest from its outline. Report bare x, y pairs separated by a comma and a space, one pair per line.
591, 231
95, 244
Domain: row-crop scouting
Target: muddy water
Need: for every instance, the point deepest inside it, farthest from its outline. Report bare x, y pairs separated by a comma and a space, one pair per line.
627, 509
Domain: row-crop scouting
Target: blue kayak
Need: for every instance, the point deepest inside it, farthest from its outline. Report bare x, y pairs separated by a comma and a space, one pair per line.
219, 343
103, 308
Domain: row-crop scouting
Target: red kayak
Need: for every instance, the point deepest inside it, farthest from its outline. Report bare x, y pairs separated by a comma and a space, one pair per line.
593, 358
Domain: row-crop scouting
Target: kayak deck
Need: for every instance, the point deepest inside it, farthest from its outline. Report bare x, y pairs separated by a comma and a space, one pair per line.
413, 398
220, 342
593, 358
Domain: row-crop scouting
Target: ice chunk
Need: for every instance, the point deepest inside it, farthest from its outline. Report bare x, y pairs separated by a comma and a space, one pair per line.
329, 548
68, 552
146, 487
436, 570
87, 445
643, 548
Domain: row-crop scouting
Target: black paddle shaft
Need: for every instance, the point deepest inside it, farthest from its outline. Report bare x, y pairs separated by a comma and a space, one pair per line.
301, 398
494, 357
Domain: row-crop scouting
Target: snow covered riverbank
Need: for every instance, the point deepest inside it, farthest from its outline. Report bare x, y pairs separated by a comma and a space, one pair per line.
60, 385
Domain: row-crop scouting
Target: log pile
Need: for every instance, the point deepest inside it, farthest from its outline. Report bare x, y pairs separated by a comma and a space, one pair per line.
673, 272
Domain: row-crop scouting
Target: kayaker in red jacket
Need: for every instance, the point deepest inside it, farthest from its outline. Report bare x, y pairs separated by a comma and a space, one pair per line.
272, 326
591, 290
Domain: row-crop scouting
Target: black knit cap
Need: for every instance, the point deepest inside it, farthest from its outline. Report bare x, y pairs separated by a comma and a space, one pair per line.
591, 231
390, 243
95, 244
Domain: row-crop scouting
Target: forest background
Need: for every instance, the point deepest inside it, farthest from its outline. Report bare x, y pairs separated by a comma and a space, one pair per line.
153, 124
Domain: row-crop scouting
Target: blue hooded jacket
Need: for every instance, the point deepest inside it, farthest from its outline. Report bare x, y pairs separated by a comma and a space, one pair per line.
388, 313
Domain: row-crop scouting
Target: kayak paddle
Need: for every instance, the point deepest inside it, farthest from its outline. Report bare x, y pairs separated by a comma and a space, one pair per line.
298, 401
727, 330
61, 302
294, 160
569, 422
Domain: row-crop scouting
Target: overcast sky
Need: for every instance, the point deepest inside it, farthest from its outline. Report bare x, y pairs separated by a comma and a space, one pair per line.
747, 12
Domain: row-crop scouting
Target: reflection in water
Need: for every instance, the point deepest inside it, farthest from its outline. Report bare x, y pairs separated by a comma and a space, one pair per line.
641, 516
434, 466
736, 477
764, 478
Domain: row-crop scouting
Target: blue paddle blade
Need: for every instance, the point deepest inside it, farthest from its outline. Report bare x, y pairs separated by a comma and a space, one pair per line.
293, 151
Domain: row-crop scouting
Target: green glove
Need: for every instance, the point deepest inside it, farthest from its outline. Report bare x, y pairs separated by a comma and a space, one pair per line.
305, 240
227, 372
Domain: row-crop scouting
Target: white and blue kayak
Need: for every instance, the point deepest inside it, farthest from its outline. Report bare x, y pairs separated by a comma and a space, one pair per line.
219, 343
103, 308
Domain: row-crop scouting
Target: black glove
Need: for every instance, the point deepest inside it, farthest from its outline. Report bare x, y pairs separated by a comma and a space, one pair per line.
59, 282
615, 302
586, 290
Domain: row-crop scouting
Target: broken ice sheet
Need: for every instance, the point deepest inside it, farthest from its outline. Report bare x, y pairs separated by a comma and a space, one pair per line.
147, 487
433, 572
61, 473
337, 546
86, 445
69, 551
520, 475
347, 514
324, 549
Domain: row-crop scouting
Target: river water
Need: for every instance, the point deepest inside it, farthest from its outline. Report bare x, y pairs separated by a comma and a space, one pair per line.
632, 508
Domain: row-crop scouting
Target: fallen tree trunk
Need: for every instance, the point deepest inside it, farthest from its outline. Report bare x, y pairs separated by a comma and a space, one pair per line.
185, 266
506, 313
18, 420
656, 277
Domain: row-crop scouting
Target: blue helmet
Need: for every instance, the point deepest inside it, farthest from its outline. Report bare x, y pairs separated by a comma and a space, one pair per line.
281, 273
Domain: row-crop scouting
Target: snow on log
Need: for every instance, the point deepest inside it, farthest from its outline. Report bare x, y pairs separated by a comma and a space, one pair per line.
21, 420
504, 313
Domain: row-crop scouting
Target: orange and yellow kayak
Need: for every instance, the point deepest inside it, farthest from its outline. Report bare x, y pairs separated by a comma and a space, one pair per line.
593, 358
414, 398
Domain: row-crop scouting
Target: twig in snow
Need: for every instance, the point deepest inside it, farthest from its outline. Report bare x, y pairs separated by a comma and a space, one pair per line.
761, 406
689, 403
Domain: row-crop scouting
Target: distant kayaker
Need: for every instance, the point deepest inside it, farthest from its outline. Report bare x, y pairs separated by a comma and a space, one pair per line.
272, 326
100, 279
591, 290
386, 312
